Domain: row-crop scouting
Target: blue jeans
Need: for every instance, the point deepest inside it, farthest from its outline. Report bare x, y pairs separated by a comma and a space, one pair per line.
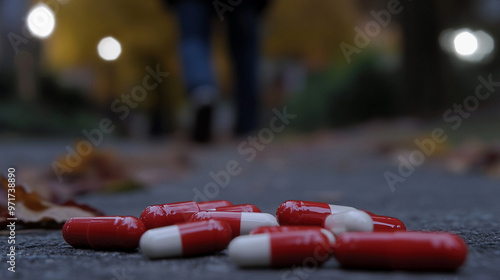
195, 46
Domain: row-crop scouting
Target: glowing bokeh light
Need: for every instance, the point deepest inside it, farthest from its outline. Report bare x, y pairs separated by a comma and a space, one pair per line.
465, 43
41, 21
109, 48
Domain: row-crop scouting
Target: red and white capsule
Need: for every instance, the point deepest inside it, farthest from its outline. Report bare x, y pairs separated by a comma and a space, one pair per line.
271, 229
173, 213
280, 249
238, 208
294, 212
353, 220
104, 233
188, 239
400, 250
241, 222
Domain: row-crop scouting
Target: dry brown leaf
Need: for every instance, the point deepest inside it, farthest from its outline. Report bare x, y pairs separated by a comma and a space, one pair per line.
34, 211
32, 199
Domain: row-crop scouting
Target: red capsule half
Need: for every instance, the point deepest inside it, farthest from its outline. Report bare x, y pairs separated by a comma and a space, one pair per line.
383, 223
271, 229
239, 208
294, 212
400, 250
280, 249
173, 213
105, 233
188, 239
168, 214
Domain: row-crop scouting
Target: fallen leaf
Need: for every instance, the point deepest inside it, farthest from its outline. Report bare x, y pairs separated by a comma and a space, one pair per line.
33, 211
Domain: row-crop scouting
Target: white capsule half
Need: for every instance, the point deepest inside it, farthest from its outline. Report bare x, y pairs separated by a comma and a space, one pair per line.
253, 220
348, 221
161, 242
251, 250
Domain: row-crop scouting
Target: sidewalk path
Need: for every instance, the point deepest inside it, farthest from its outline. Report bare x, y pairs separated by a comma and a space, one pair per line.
331, 170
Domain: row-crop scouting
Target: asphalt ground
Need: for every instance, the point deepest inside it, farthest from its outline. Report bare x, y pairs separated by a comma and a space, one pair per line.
335, 171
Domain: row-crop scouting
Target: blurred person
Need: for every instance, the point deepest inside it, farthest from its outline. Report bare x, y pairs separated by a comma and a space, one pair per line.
194, 18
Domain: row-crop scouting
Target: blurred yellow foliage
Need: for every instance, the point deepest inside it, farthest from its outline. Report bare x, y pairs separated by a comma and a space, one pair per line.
310, 31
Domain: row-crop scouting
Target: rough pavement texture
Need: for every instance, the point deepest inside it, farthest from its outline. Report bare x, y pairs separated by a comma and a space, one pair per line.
330, 171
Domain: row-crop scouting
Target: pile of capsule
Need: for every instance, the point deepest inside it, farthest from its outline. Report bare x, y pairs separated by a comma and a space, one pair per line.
301, 233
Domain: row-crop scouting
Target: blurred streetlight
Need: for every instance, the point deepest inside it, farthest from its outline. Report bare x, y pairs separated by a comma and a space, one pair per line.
41, 21
109, 48
467, 45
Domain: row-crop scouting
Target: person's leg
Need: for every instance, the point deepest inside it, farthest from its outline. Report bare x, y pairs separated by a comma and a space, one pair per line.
194, 22
244, 46
194, 19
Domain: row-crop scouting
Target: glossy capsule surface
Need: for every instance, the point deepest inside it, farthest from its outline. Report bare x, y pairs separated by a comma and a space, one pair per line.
239, 208
400, 250
104, 233
384, 223
212, 204
295, 212
168, 214
272, 229
173, 213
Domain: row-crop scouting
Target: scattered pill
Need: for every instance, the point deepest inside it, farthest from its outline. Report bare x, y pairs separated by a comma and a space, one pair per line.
400, 250
239, 208
173, 213
280, 249
184, 240
271, 229
240, 222
294, 212
168, 214
104, 233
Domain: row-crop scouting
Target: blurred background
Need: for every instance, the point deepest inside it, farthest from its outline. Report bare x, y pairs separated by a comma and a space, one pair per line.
413, 63
368, 68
